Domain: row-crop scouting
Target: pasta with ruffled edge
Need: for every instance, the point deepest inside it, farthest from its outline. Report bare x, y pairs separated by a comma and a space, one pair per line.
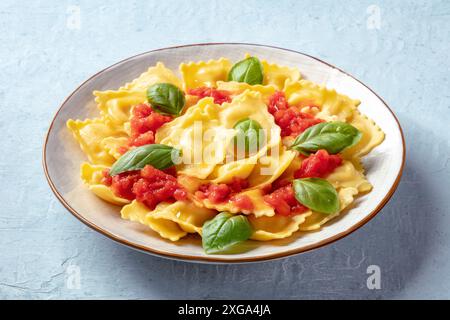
101, 138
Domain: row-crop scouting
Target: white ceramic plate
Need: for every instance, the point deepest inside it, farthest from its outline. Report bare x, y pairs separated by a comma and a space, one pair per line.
62, 155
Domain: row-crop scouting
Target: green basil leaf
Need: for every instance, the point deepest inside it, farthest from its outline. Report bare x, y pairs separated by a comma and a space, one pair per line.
158, 155
224, 231
331, 136
250, 133
316, 194
249, 70
166, 98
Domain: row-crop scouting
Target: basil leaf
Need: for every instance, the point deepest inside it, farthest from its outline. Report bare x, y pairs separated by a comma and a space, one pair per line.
331, 136
249, 70
158, 155
224, 231
316, 194
166, 98
250, 133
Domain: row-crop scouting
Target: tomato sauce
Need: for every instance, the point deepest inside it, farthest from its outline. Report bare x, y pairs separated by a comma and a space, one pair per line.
289, 118
243, 202
284, 202
144, 123
122, 184
152, 186
220, 96
318, 165
282, 196
149, 186
218, 193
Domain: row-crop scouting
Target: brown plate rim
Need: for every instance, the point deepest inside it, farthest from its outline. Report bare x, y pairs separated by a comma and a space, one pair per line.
213, 259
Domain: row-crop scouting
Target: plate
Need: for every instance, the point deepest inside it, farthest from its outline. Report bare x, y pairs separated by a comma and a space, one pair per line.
62, 155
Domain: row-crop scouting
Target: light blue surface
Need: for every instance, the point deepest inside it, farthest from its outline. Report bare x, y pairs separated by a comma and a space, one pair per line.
44, 56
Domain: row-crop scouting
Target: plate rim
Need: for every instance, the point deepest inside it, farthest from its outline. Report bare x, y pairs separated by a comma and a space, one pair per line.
212, 258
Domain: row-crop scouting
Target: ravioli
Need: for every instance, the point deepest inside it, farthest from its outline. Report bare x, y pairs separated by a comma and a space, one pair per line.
261, 208
277, 75
198, 74
116, 105
279, 227
156, 74
271, 167
237, 88
92, 176
138, 212
332, 105
90, 134
372, 136
196, 134
204, 132
113, 145
317, 219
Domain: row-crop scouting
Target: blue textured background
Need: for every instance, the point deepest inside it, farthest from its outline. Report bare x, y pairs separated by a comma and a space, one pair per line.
44, 55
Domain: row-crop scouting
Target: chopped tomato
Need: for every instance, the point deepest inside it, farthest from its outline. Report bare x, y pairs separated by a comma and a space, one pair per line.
220, 96
142, 110
149, 186
154, 186
318, 165
122, 184
284, 202
144, 123
289, 118
243, 202
277, 102
180, 194
267, 188
171, 170
218, 193
122, 149
106, 179
143, 139
238, 184
279, 183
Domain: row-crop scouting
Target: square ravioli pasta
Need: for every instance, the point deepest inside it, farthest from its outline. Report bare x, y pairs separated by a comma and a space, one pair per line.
230, 151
